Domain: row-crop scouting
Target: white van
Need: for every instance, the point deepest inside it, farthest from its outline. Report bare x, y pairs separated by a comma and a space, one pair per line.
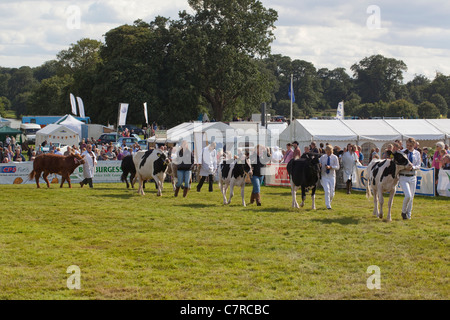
29, 131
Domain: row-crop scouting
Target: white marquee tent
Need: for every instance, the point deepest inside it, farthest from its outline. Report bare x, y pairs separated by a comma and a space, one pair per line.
375, 131
57, 133
418, 129
442, 125
72, 123
305, 131
366, 133
185, 131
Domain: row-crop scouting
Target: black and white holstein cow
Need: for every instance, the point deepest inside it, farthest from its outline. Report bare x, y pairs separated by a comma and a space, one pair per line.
382, 176
304, 173
151, 164
233, 175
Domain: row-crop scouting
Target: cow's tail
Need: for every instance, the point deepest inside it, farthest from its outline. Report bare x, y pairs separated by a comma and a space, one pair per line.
32, 175
369, 181
123, 177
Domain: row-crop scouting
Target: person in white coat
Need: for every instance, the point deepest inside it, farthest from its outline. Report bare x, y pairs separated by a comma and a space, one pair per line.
208, 166
408, 177
329, 164
90, 162
349, 162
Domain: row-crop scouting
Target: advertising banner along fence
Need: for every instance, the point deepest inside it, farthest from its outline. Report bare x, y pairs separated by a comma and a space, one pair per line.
17, 173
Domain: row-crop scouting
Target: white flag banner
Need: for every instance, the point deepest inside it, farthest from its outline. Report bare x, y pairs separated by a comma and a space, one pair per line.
123, 114
145, 112
81, 107
340, 111
74, 104
444, 183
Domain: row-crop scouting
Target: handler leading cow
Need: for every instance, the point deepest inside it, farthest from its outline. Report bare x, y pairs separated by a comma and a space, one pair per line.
408, 178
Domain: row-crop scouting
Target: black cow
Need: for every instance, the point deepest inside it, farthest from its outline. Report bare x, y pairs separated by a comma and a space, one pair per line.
128, 167
383, 176
304, 173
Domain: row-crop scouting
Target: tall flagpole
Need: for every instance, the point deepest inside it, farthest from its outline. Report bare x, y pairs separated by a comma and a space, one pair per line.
292, 94
292, 90
118, 120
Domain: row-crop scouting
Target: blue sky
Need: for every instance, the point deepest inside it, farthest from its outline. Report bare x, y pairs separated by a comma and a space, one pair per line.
328, 33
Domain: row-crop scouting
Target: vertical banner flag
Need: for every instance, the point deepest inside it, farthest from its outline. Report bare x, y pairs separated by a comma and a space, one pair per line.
443, 187
123, 114
74, 104
145, 112
340, 111
81, 106
291, 92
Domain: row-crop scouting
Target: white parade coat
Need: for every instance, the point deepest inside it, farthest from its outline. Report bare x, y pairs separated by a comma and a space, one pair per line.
89, 165
349, 162
209, 162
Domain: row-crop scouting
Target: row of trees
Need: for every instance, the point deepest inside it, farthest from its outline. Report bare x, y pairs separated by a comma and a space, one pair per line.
216, 60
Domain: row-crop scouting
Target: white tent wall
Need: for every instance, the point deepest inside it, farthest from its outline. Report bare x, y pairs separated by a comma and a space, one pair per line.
442, 125
419, 129
320, 131
57, 133
368, 134
72, 123
215, 131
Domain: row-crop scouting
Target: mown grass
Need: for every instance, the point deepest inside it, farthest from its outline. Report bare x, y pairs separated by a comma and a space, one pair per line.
147, 247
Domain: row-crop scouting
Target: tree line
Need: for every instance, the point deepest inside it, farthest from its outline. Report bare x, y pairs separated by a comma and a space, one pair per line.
217, 61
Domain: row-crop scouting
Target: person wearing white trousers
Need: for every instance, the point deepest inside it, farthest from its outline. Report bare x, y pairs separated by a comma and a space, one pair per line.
408, 179
329, 164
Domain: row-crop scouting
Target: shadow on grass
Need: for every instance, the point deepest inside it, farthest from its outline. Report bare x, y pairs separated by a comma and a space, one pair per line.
343, 221
271, 210
193, 205
119, 196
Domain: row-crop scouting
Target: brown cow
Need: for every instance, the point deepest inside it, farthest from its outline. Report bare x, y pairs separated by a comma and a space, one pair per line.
54, 163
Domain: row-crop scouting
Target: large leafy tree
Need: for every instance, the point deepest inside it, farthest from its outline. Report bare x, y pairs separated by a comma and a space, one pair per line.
428, 110
221, 41
402, 108
379, 78
51, 97
132, 61
336, 85
440, 103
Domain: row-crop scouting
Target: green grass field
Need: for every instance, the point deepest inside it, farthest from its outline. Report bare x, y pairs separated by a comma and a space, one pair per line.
147, 247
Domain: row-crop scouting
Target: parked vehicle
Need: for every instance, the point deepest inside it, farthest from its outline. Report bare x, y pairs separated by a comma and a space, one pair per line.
29, 131
129, 141
108, 137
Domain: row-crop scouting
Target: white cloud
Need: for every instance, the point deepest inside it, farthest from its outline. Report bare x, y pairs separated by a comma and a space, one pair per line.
328, 33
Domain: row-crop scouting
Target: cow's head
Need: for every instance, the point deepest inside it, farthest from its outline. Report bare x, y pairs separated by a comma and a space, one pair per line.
401, 159
164, 159
313, 157
78, 159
